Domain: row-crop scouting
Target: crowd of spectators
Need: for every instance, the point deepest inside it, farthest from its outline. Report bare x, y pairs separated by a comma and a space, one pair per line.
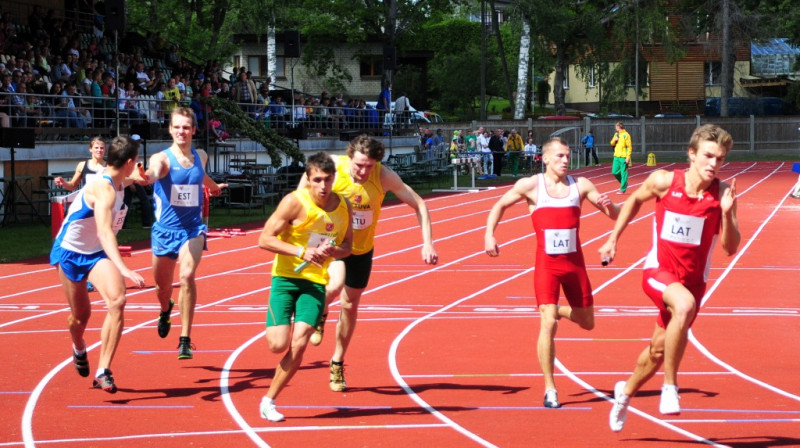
57, 73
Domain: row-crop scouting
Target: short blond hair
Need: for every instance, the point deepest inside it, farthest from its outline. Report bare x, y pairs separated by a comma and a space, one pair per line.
711, 133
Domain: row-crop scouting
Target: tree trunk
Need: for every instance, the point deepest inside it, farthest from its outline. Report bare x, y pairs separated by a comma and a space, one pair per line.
496, 27
522, 71
726, 75
272, 57
558, 84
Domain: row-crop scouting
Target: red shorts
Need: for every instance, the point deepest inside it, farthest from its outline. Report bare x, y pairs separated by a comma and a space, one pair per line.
655, 281
577, 289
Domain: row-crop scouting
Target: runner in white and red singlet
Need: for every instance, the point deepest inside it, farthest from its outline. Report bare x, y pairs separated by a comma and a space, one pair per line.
554, 201
693, 210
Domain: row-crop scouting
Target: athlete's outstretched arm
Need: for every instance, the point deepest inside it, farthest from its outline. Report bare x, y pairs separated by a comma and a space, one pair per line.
656, 185
522, 189
602, 201
391, 181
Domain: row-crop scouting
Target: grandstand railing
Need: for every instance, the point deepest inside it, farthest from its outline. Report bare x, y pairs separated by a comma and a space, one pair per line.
94, 116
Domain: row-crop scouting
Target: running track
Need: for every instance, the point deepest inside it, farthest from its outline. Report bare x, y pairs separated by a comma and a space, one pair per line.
443, 356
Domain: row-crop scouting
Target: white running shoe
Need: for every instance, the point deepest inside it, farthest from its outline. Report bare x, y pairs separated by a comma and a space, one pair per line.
670, 401
551, 399
619, 411
269, 411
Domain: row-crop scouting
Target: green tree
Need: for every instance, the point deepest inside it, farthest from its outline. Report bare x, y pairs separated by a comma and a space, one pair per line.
201, 28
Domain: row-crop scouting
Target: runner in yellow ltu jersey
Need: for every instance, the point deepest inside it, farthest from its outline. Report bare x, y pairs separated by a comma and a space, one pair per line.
364, 181
365, 199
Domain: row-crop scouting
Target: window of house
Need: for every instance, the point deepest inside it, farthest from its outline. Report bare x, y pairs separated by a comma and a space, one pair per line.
565, 83
713, 71
630, 74
257, 65
280, 67
592, 81
371, 66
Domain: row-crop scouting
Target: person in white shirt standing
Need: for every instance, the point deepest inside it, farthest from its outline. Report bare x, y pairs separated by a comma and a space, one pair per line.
402, 109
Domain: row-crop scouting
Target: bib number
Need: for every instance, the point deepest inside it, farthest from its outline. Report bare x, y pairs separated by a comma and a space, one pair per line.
362, 219
682, 229
317, 240
184, 196
119, 220
560, 241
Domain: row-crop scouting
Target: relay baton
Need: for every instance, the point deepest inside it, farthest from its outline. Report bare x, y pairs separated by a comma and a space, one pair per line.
305, 264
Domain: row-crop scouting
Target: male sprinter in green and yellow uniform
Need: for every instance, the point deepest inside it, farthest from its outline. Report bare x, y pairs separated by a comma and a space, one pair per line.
364, 181
310, 227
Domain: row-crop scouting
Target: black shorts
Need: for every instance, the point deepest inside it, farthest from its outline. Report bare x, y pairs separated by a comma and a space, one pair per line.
357, 269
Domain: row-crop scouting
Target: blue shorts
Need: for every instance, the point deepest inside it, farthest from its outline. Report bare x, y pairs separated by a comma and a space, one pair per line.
167, 241
76, 266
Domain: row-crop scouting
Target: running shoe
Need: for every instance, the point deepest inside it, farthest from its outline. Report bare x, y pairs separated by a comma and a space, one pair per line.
106, 382
90, 287
670, 401
185, 348
551, 399
337, 377
81, 363
164, 323
619, 411
316, 338
795, 195
269, 411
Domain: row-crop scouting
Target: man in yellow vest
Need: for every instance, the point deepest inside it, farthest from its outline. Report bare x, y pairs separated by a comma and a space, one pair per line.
309, 229
622, 156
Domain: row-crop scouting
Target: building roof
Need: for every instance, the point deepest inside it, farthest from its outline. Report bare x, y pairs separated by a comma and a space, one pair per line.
774, 46
773, 57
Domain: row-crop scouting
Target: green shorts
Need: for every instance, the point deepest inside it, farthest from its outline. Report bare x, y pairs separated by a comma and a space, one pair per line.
296, 296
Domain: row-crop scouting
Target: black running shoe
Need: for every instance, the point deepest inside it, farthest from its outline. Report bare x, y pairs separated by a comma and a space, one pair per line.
164, 324
105, 382
185, 348
81, 363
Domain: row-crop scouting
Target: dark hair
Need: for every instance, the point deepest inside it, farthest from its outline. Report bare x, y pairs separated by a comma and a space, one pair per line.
365, 144
122, 149
321, 161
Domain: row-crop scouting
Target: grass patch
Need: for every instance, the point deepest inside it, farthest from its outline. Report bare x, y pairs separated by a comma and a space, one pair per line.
31, 240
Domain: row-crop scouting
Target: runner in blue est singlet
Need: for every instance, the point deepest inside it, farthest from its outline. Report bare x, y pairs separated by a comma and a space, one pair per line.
178, 200
178, 196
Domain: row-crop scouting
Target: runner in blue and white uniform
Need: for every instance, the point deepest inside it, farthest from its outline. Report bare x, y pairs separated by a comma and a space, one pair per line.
86, 249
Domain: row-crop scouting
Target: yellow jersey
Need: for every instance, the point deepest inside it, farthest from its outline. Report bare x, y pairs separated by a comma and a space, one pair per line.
365, 199
317, 229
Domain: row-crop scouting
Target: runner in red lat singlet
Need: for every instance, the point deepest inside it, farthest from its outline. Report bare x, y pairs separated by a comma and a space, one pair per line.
554, 202
693, 210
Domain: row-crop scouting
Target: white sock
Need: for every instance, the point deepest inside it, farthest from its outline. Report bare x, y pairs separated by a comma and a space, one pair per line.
99, 372
79, 352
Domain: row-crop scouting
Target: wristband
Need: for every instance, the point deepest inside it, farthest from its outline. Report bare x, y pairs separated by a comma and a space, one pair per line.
301, 250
